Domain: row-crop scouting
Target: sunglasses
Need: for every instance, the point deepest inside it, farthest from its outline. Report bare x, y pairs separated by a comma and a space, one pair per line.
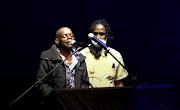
100, 33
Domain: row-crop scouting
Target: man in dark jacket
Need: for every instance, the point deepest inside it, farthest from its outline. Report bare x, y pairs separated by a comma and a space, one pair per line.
71, 74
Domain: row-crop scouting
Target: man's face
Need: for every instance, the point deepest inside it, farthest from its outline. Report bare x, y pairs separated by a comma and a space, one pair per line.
65, 37
99, 31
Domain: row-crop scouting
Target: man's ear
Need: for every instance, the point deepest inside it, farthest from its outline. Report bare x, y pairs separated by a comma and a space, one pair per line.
57, 41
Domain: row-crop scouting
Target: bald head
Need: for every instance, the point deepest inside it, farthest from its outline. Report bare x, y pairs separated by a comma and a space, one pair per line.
62, 31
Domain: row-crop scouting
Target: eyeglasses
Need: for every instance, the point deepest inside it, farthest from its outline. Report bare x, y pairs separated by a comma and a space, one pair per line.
100, 33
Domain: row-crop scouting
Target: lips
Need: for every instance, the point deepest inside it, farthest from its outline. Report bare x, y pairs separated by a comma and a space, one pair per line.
68, 43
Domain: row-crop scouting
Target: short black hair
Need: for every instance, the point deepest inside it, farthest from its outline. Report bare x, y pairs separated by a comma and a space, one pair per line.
105, 24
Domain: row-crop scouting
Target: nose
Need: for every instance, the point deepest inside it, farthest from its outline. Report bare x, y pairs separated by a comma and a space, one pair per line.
98, 36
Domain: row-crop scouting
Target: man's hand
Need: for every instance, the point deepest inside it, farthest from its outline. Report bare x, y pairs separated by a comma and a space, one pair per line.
119, 83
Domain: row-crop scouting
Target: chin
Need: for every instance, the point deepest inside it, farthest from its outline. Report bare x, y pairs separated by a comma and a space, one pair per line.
69, 46
66, 47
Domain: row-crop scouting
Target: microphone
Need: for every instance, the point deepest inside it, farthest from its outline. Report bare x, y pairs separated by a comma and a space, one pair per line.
96, 42
80, 44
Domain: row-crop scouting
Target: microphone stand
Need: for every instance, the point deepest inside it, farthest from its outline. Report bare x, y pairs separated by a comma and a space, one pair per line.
35, 84
134, 78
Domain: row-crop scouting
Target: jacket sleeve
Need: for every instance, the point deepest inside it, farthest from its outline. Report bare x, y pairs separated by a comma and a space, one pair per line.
85, 81
43, 85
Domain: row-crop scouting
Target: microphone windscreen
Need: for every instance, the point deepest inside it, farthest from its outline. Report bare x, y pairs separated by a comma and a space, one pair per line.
90, 35
73, 41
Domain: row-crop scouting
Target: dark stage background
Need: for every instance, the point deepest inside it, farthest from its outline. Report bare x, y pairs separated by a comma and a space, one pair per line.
146, 33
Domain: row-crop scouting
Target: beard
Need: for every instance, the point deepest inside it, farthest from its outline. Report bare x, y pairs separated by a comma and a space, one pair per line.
64, 48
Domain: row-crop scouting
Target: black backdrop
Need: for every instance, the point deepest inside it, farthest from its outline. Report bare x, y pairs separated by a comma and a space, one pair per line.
146, 33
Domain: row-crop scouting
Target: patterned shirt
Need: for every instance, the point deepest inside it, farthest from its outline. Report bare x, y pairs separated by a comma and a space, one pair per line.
70, 70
